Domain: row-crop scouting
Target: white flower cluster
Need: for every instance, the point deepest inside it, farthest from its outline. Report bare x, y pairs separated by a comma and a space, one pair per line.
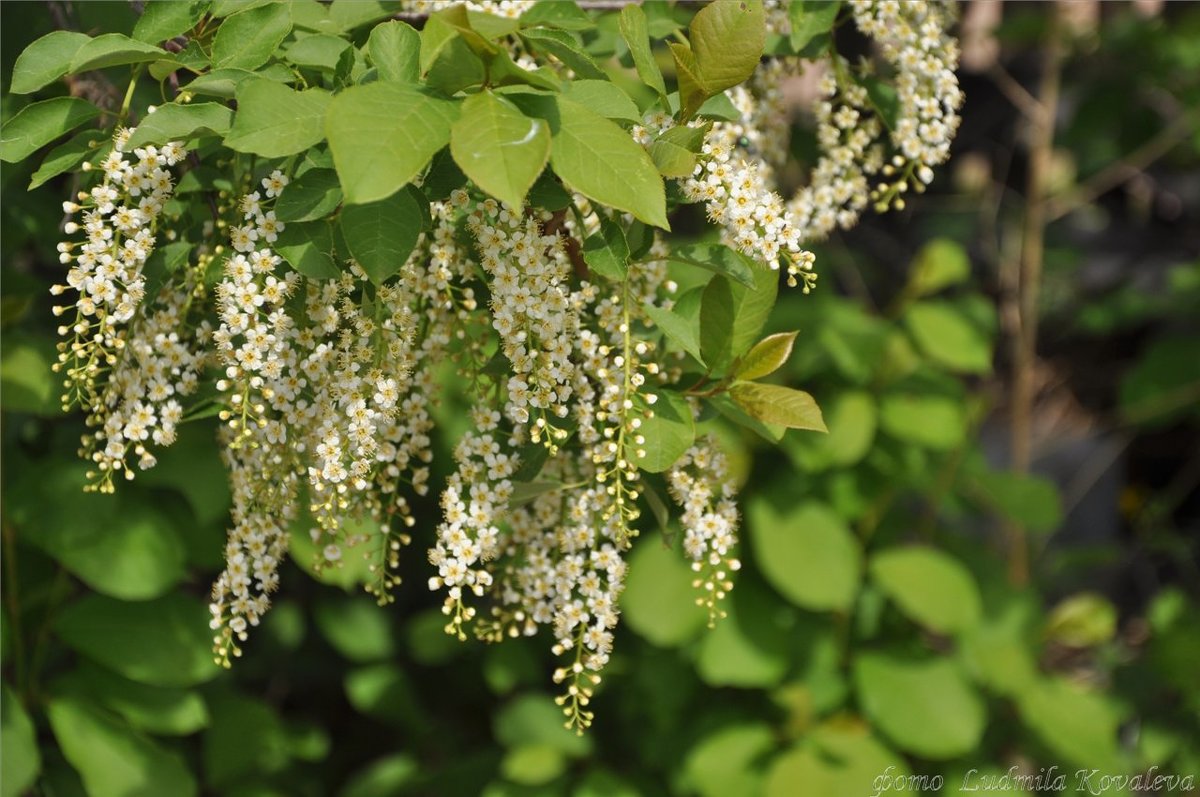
501, 8
699, 482
120, 221
531, 309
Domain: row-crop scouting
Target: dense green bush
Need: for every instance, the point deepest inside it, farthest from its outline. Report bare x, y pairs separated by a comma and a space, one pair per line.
908, 613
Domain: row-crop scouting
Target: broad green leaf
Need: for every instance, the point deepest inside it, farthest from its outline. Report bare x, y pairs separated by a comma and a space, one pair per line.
566, 49
837, 757
1073, 722
68, 155
26, 382
678, 326
668, 433
851, 418
809, 19
524, 492
313, 195
732, 317
159, 710
725, 762
636, 35
674, 151
1164, 383
112, 758
18, 746
383, 134
357, 628
535, 719
164, 642
309, 248
929, 587
498, 147
384, 777
771, 432
225, 8
808, 555
46, 60
382, 235
720, 259
557, 14
948, 338
395, 49
248, 39
607, 252
1032, 501
225, 82
748, 649
115, 49
246, 737
1082, 620
687, 74
347, 15
940, 264
598, 159
999, 652
659, 601
38, 124
924, 707
166, 19
604, 98
936, 422
174, 122
533, 764
767, 356
727, 39
780, 405
447, 62
273, 120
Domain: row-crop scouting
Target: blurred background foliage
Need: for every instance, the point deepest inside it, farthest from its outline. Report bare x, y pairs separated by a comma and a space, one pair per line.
909, 599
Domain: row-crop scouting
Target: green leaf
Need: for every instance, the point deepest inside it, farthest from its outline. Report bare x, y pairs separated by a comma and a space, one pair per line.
113, 759
767, 356
1164, 383
1077, 724
925, 707
308, 247
809, 19
45, 60
524, 492
749, 648
770, 432
166, 19
929, 587
851, 419
383, 134
936, 422
38, 124
681, 324
273, 120
313, 195
635, 33
727, 38
26, 382
720, 259
534, 719
246, 738
67, 156
447, 62
949, 338
164, 642
18, 746
691, 90
533, 764
382, 235
174, 122
940, 264
395, 49
385, 777
674, 151
607, 252
1032, 501
1082, 620
357, 628
659, 601
154, 709
115, 49
598, 159
557, 14
566, 49
808, 555
604, 98
725, 762
668, 433
794, 409
837, 757
248, 39
732, 316
498, 147
998, 652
